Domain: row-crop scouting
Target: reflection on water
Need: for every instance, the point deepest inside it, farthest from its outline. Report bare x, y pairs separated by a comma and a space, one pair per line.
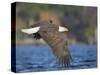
41, 58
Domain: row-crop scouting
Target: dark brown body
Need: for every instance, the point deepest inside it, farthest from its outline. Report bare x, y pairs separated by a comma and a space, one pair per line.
56, 40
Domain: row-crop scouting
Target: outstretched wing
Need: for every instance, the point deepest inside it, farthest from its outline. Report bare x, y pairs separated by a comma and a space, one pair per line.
55, 39
58, 42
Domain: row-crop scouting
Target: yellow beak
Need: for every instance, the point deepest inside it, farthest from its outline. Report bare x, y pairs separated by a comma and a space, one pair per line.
63, 29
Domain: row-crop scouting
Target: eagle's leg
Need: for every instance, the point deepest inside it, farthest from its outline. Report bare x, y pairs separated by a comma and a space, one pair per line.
37, 36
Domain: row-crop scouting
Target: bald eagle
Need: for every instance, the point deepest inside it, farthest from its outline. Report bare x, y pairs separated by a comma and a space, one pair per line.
54, 36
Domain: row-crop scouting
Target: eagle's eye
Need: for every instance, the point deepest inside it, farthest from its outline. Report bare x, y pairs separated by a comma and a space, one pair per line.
50, 21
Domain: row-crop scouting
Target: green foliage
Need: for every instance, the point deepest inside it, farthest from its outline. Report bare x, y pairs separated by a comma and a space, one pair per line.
82, 24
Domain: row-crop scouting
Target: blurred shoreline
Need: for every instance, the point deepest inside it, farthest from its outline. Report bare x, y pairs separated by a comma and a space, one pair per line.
42, 42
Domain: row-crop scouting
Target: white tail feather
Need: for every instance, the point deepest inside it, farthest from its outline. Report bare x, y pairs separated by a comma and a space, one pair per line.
31, 30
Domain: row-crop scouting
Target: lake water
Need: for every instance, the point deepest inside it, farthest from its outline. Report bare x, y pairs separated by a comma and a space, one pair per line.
40, 58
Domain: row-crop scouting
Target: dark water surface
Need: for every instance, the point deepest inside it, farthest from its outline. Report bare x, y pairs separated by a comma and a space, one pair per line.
41, 58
